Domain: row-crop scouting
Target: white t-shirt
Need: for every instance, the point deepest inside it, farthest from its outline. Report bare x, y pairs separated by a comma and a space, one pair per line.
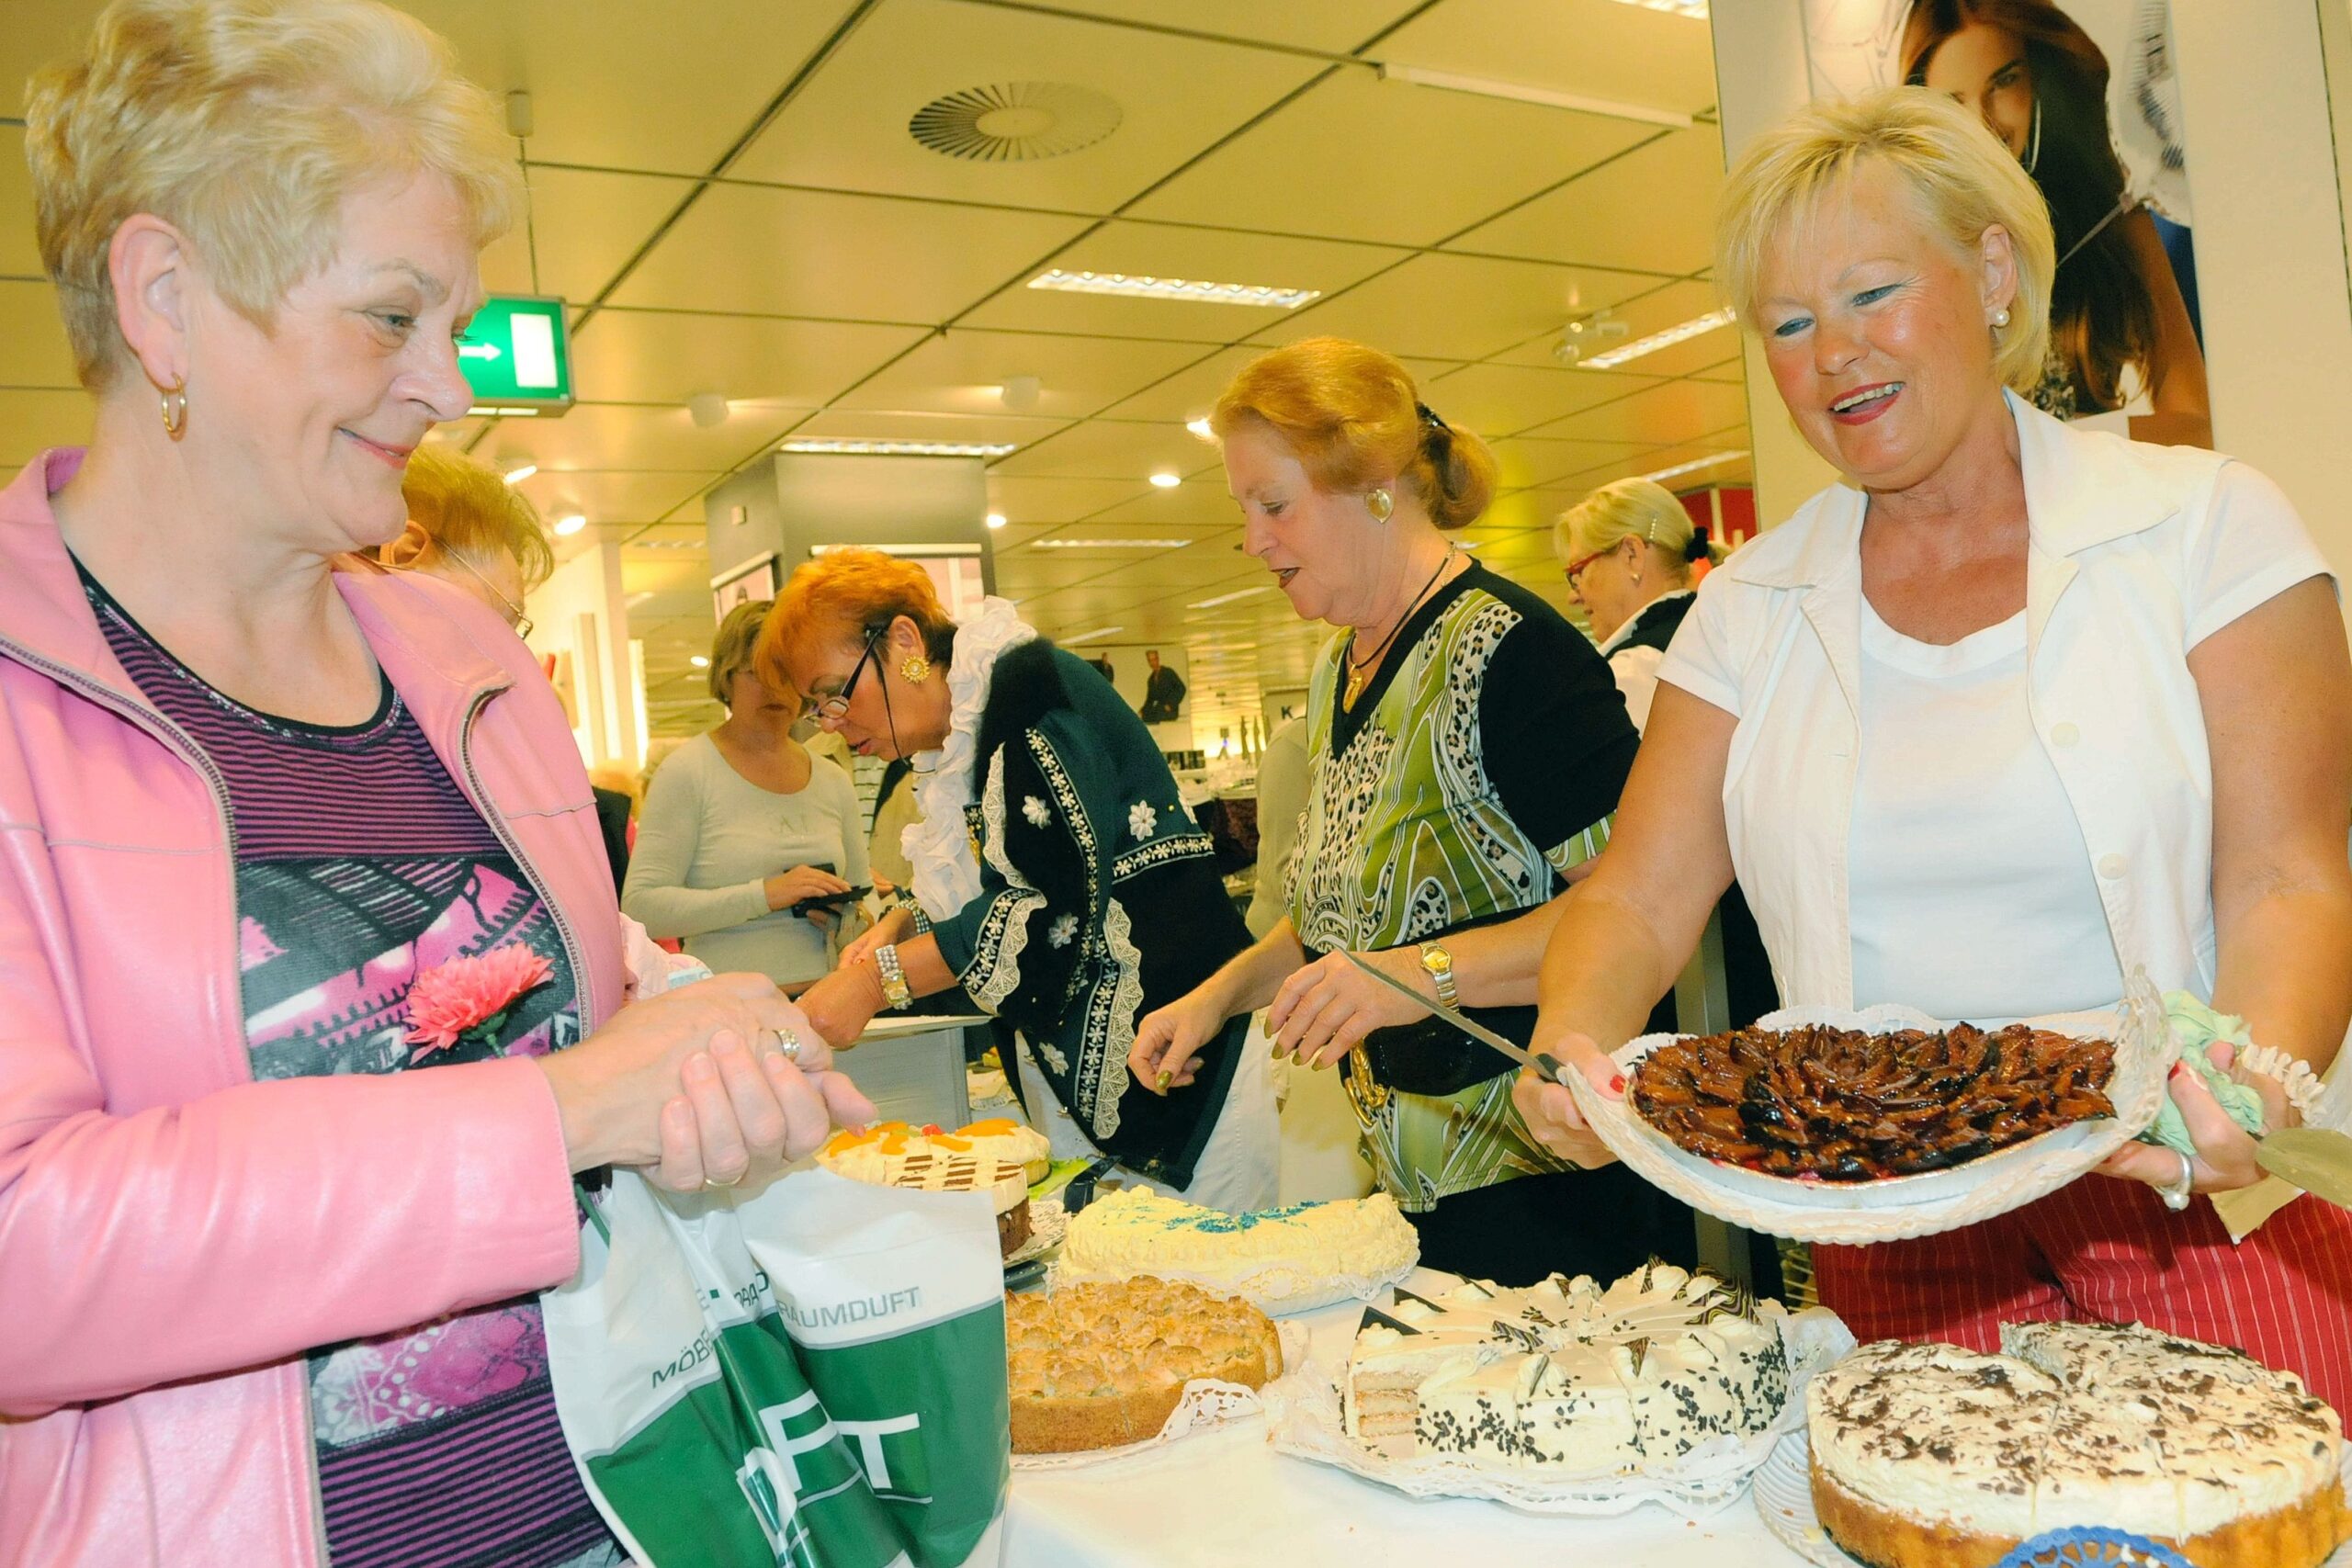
2137, 554
1964, 856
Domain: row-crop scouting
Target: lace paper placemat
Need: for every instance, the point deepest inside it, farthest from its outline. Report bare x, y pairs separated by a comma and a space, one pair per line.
1206, 1402
1303, 1418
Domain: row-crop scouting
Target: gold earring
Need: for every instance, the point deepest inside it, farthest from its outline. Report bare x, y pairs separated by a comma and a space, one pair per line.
175, 410
1381, 504
915, 670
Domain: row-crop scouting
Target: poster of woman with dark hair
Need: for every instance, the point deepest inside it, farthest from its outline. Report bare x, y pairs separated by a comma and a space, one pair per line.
2122, 313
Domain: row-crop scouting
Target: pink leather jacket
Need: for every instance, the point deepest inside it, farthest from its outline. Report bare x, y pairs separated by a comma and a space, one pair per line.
173, 1236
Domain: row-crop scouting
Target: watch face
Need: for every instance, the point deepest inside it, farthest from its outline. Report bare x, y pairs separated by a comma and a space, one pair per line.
1435, 962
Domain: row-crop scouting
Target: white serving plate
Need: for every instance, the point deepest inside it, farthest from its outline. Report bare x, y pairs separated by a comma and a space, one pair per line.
1923, 1204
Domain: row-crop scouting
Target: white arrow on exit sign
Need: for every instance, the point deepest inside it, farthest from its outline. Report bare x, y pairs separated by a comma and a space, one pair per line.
478, 351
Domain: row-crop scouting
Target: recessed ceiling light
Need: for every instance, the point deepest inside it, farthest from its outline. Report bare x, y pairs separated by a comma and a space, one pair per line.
1694, 465
520, 472
1521, 92
1200, 428
900, 448
1682, 332
700, 661
1694, 9
1229, 598
1137, 286
1108, 544
570, 523
1097, 634
996, 519
1165, 480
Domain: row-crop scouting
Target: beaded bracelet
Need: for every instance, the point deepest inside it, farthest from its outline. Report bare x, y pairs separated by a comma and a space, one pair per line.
2294, 1075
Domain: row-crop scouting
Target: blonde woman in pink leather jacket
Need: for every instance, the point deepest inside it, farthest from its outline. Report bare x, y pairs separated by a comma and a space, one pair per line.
310, 971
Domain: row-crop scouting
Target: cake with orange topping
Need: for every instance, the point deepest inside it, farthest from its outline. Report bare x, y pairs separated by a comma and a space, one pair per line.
928, 1169
998, 1138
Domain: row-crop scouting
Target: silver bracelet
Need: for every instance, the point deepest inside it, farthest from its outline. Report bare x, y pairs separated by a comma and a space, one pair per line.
2294, 1075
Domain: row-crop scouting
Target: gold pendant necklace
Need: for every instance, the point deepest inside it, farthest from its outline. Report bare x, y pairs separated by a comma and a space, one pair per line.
1360, 675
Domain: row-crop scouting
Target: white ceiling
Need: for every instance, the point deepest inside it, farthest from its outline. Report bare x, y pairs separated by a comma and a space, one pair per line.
726, 192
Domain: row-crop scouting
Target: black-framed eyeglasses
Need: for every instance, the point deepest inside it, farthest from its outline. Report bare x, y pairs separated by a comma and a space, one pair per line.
835, 705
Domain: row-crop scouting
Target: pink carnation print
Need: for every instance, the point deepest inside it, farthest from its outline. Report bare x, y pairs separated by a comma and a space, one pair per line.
464, 996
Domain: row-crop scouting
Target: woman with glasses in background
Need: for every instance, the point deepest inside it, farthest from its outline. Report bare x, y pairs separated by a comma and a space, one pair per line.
1060, 880
748, 849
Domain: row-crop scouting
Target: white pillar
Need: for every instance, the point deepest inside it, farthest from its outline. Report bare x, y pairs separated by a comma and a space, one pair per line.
1760, 79
580, 615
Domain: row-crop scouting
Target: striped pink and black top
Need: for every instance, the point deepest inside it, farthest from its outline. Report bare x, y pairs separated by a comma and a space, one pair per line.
360, 865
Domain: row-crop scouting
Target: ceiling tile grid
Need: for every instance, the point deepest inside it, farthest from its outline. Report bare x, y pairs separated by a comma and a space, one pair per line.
731, 197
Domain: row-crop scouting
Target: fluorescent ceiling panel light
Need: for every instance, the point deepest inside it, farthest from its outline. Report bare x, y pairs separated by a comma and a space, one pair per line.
569, 524
1694, 9
1697, 326
503, 413
917, 551
900, 448
1165, 480
1229, 598
516, 475
1108, 544
1519, 92
1694, 465
1135, 286
1094, 635
1200, 428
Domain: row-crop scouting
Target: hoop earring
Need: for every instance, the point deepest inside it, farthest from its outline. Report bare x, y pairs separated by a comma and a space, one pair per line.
174, 398
915, 670
2033, 137
1381, 504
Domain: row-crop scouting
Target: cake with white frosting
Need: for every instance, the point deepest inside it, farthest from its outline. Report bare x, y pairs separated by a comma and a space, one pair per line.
1567, 1376
1928, 1456
1135, 1231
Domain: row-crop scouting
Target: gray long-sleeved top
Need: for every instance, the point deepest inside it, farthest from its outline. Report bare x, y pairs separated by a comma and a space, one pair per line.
706, 844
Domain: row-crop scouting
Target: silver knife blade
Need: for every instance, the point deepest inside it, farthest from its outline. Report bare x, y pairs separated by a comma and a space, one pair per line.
1546, 1066
2313, 1158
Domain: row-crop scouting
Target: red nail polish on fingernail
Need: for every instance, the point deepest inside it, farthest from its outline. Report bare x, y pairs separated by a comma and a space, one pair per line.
2178, 1069
1617, 1084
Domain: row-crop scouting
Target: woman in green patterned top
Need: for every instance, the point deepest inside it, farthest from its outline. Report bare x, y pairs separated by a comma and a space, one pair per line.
1467, 749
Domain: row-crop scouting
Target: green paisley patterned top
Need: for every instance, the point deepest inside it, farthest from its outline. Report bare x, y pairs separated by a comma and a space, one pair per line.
1481, 763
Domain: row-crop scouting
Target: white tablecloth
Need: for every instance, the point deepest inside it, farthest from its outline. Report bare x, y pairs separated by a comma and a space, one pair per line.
1223, 1497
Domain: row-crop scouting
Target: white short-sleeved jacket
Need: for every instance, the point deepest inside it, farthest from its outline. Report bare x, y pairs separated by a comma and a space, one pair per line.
2135, 554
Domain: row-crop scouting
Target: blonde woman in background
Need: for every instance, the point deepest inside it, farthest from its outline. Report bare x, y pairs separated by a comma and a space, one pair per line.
740, 825
1628, 548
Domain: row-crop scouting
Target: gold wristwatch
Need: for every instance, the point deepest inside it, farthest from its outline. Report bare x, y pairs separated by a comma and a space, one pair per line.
1438, 964
894, 978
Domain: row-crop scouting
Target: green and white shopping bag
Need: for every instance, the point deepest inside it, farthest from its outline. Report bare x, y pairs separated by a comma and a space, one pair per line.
812, 1375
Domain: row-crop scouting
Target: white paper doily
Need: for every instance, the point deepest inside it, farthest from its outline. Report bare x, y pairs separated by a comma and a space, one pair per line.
1277, 1290
1923, 1204
1048, 1224
1206, 1402
1784, 1501
1303, 1418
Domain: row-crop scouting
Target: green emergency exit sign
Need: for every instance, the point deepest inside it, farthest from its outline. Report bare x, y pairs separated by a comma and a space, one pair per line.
518, 356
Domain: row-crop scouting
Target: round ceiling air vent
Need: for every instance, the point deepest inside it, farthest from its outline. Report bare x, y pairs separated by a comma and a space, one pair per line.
1012, 122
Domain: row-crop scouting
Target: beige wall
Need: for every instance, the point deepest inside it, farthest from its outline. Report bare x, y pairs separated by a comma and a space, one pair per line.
2270, 249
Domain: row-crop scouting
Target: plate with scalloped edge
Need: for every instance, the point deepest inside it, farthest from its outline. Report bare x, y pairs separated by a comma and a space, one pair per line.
1917, 1204
1783, 1492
